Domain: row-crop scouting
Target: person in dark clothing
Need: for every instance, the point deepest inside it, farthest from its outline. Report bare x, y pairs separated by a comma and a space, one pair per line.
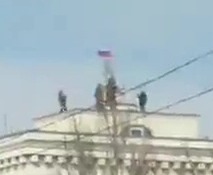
142, 97
111, 92
62, 98
99, 96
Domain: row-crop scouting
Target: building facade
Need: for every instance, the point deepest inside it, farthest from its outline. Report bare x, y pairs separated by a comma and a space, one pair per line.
81, 142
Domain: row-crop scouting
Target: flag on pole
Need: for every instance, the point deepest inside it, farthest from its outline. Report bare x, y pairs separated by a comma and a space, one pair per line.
105, 54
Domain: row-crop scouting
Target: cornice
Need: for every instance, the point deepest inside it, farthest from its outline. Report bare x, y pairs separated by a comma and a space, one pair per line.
38, 136
174, 164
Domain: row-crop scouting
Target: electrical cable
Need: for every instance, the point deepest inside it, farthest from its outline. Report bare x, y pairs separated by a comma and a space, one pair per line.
191, 61
183, 100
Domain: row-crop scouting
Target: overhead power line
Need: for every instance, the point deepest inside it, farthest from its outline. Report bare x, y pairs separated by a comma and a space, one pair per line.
186, 99
193, 60
66, 117
202, 56
183, 100
147, 83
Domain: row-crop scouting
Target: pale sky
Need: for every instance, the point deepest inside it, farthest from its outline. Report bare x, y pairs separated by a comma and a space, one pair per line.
46, 45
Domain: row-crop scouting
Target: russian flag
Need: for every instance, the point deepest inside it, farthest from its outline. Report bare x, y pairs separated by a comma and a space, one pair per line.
105, 54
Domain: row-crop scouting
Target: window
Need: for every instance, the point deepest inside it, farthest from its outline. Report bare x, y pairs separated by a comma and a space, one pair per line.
137, 132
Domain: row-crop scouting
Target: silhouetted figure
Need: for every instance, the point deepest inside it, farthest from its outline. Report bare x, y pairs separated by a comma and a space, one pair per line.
99, 96
62, 98
111, 92
142, 97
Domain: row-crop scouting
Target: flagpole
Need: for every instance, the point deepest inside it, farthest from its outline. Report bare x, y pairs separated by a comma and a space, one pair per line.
107, 58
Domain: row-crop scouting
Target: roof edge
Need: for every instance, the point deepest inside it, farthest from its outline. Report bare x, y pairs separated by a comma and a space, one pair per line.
76, 111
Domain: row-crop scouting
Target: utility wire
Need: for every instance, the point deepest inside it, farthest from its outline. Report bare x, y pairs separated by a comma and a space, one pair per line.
155, 111
186, 99
183, 100
147, 83
70, 115
164, 107
193, 60
202, 56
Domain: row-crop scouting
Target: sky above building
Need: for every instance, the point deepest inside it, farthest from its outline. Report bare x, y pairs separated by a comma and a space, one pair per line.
48, 45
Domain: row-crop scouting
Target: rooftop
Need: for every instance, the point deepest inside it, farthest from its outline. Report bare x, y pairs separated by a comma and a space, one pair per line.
122, 107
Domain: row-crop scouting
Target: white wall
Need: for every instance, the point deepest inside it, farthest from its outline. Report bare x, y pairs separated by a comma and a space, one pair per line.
169, 125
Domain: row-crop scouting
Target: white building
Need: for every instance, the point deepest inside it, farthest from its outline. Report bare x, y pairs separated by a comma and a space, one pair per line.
151, 143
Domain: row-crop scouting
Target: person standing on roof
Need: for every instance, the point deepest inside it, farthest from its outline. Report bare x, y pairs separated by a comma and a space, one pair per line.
111, 92
142, 97
99, 96
62, 99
